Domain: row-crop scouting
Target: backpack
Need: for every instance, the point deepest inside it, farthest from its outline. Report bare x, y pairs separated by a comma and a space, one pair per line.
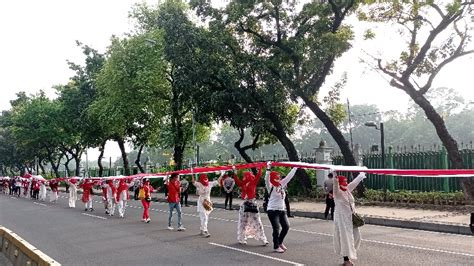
266, 197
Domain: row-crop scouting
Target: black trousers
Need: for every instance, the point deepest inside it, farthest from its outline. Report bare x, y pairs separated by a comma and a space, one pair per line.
184, 198
280, 226
135, 193
228, 199
329, 206
287, 204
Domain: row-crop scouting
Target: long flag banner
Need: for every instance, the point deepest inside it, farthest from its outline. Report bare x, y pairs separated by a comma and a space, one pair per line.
313, 166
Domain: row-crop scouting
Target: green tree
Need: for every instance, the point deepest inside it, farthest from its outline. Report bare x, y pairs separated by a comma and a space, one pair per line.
298, 46
436, 36
36, 125
181, 97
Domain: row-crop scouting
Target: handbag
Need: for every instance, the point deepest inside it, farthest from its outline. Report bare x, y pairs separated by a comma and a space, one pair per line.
207, 205
148, 199
250, 206
357, 220
141, 193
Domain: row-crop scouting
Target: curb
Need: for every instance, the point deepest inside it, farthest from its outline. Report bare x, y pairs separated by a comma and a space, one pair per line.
373, 220
20, 252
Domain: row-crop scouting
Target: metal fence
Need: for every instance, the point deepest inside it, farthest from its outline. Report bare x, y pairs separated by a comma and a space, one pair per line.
414, 160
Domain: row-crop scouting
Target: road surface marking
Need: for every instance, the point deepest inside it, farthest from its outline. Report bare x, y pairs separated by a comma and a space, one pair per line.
419, 248
95, 216
37, 203
256, 254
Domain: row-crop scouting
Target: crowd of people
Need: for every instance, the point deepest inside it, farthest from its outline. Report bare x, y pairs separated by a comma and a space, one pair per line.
115, 194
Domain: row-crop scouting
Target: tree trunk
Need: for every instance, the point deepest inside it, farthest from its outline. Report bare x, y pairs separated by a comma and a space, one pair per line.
99, 160
467, 183
126, 166
42, 168
336, 134
280, 134
137, 161
178, 157
242, 150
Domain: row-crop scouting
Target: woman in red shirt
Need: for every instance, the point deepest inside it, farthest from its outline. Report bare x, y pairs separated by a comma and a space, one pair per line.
147, 200
250, 224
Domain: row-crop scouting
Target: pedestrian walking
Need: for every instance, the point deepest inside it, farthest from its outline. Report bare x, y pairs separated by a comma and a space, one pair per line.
110, 197
276, 208
72, 192
228, 184
184, 192
204, 203
122, 196
17, 186
174, 190
250, 224
346, 237
87, 192
54, 185
328, 187
146, 200
42, 191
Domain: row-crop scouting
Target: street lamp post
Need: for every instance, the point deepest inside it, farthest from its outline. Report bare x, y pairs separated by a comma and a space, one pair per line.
382, 147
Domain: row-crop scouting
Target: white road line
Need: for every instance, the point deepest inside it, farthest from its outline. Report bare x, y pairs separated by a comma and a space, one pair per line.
37, 203
365, 240
256, 254
419, 248
95, 216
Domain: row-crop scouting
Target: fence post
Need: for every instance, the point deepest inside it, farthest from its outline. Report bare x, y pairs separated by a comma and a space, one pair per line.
391, 178
444, 165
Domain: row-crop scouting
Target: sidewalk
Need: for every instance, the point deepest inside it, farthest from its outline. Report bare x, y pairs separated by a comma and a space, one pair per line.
431, 220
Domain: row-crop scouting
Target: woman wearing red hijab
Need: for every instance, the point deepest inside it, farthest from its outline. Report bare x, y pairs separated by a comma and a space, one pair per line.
147, 200
276, 207
86, 194
346, 237
123, 196
250, 224
204, 208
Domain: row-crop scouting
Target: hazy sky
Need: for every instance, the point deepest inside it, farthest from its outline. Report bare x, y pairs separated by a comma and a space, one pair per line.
39, 36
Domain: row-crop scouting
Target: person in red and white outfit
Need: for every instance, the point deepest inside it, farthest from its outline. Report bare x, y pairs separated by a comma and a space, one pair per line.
72, 192
111, 195
87, 186
123, 196
54, 185
147, 188
203, 189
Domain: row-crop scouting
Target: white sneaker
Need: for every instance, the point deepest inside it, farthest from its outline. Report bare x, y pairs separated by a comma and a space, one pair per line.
170, 228
206, 234
283, 247
181, 228
148, 220
265, 243
279, 250
243, 242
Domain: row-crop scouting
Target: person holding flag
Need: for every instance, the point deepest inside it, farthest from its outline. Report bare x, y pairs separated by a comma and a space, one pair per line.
122, 196
204, 204
87, 186
276, 207
54, 185
250, 224
110, 197
72, 191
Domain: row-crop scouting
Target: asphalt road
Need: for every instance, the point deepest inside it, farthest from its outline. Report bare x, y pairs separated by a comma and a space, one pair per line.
75, 237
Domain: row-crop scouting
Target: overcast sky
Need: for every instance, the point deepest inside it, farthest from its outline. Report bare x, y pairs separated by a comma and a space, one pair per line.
37, 37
